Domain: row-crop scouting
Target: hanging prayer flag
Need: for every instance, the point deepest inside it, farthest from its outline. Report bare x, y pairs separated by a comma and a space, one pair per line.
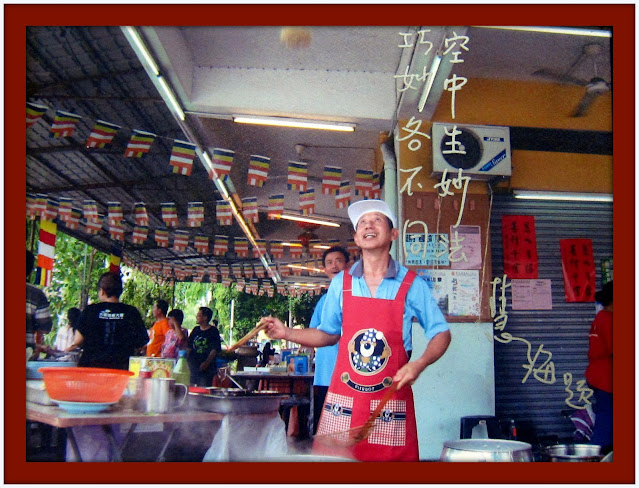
331, 180
258, 170
139, 144
221, 245
140, 234
277, 249
102, 134
343, 197
64, 209
249, 209
333, 243
275, 206
116, 232
94, 225
162, 237
315, 248
114, 259
296, 251
240, 284
376, 192
31, 206
34, 113
169, 214
519, 246
307, 201
222, 161
224, 270
236, 268
578, 266
182, 156
241, 247
74, 219
40, 204
51, 211
297, 175
141, 216
46, 253
363, 182
114, 213
180, 240
90, 211
223, 212
63, 124
195, 215
201, 244
261, 247
249, 271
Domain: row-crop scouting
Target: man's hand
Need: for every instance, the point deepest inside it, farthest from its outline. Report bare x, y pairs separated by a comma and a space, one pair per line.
204, 366
275, 328
407, 375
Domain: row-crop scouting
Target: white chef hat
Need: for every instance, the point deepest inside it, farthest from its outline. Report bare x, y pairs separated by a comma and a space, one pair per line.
357, 209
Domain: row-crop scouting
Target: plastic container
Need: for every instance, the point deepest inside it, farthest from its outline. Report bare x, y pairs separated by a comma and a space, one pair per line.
181, 372
79, 384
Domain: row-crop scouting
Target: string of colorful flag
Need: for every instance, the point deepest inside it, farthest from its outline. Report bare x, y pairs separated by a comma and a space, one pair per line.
367, 182
48, 209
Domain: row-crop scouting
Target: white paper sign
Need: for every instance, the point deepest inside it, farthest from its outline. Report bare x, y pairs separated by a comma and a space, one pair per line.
531, 295
456, 291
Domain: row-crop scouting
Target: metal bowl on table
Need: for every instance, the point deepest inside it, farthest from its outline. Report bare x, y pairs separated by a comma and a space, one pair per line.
249, 403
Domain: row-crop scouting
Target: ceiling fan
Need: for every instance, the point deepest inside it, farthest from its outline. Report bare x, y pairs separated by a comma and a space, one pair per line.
595, 86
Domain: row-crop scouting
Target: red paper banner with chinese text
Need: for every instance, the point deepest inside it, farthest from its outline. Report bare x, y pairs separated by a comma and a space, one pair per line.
520, 246
578, 265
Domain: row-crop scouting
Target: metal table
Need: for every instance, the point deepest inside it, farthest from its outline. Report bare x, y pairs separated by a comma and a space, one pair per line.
245, 376
58, 417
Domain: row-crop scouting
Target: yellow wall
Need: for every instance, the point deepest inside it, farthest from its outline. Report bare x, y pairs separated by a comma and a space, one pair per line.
540, 105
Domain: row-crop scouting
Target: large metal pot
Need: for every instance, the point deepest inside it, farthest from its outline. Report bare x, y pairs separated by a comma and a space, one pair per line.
486, 450
573, 453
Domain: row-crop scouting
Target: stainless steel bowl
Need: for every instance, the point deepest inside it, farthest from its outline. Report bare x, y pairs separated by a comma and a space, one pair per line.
573, 453
486, 450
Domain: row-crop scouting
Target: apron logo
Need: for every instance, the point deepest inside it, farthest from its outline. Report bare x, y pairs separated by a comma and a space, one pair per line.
368, 351
385, 383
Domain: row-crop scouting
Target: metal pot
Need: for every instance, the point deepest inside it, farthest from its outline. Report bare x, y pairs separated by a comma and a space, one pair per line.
573, 453
486, 450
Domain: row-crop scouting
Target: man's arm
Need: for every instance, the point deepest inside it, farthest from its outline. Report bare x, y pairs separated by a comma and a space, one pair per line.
408, 374
305, 337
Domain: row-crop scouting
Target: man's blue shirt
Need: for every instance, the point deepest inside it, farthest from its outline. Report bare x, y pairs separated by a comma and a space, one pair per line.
420, 303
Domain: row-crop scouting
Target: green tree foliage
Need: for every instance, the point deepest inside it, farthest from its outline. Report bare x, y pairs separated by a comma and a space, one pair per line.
76, 270
142, 292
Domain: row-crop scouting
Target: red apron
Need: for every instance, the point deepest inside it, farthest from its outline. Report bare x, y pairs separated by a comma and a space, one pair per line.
371, 350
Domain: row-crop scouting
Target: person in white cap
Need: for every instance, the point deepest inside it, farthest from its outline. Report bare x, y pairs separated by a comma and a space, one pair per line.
369, 310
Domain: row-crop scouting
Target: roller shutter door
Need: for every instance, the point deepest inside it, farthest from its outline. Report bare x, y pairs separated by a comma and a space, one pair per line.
539, 406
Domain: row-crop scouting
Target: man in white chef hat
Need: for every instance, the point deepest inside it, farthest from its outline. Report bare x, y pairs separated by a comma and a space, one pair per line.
369, 310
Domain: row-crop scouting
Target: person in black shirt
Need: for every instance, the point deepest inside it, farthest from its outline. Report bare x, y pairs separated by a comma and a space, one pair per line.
203, 345
109, 332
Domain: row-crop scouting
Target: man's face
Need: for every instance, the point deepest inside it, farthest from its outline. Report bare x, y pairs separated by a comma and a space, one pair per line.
199, 318
156, 311
374, 232
334, 263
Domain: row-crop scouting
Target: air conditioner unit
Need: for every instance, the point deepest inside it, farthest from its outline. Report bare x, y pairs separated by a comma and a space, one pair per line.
481, 151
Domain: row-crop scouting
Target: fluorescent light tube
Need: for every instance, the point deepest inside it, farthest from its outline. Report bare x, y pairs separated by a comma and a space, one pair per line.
171, 97
298, 123
575, 31
563, 196
308, 219
140, 48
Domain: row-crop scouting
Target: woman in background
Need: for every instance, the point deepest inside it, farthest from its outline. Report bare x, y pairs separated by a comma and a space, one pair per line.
66, 333
599, 370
